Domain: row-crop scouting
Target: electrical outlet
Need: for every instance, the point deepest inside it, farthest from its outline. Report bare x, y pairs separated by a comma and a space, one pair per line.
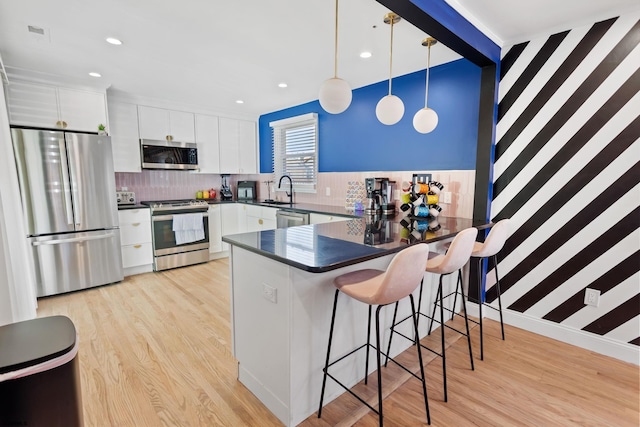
269, 293
591, 297
446, 196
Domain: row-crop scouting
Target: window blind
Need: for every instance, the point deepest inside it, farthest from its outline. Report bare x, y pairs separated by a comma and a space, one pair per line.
295, 148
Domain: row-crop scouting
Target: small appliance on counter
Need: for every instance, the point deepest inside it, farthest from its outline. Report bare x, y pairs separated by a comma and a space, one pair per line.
125, 198
225, 190
380, 197
246, 190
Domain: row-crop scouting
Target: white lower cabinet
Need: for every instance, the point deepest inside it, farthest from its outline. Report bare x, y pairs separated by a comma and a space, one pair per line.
136, 240
315, 218
233, 220
260, 218
215, 229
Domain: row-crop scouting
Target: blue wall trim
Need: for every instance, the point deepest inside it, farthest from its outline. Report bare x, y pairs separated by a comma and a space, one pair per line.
355, 141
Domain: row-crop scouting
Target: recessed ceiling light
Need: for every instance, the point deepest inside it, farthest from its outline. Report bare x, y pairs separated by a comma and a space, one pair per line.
282, 85
365, 54
239, 101
92, 74
113, 41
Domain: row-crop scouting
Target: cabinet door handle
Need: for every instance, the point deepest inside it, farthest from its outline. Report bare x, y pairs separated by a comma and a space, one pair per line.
137, 246
169, 138
135, 224
260, 221
64, 124
59, 124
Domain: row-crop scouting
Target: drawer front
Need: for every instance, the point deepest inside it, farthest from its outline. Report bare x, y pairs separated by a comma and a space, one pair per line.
136, 255
138, 232
133, 216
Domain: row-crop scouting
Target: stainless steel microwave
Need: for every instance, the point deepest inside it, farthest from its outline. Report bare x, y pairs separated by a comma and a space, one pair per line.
158, 154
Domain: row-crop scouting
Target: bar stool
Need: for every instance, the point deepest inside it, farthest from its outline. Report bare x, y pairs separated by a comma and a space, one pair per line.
381, 288
456, 257
489, 249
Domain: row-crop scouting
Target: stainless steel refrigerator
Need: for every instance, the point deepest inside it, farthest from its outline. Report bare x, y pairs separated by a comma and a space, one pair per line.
68, 193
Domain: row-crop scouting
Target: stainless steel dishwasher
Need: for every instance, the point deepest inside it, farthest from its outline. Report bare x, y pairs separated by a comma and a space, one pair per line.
286, 218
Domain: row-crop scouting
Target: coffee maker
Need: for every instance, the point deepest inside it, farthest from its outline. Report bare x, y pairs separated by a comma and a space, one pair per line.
380, 197
225, 190
387, 204
373, 197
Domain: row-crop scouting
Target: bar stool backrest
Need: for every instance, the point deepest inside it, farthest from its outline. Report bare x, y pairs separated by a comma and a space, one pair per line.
495, 240
458, 253
403, 275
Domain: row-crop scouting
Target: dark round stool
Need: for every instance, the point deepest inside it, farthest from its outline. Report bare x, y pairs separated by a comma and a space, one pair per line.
39, 374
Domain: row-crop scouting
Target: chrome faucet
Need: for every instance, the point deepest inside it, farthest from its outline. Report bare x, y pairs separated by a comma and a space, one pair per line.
290, 193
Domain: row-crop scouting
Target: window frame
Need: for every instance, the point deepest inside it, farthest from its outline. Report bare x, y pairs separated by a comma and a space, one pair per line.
282, 126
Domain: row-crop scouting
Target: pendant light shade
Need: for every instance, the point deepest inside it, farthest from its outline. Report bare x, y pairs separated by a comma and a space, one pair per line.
390, 109
335, 94
426, 120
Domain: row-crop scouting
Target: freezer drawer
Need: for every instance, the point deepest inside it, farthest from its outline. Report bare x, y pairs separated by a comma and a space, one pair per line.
69, 262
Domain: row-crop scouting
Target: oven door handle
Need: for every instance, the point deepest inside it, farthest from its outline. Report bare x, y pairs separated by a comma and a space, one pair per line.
168, 217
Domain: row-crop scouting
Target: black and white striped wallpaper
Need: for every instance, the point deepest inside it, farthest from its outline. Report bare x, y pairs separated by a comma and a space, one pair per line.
567, 172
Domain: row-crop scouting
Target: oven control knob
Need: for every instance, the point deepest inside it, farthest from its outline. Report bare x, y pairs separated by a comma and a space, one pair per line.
131, 199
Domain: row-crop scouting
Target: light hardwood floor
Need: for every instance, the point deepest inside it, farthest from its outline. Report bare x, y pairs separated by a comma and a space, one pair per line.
155, 350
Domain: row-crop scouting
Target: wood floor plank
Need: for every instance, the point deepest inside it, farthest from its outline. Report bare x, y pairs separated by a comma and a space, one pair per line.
155, 350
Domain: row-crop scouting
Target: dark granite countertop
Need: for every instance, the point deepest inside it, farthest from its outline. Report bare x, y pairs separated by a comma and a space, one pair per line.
310, 208
324, 247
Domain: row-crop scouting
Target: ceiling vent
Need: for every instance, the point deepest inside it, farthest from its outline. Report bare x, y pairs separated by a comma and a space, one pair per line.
38, 34
36, 30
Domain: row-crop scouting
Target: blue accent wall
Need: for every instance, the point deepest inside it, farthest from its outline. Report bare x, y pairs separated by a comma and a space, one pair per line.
355, 141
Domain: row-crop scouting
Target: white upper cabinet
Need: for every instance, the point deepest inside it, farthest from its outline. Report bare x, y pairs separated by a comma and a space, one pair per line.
82, 110
238, 149
182, 126
248, 148
161, 124
208, 143
39, 105
125, 143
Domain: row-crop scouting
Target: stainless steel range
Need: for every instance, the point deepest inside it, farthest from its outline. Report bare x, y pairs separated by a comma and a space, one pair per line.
180, 233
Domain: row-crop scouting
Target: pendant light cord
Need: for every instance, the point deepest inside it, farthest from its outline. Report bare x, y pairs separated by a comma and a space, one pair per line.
426, 92
335, 59
391, 56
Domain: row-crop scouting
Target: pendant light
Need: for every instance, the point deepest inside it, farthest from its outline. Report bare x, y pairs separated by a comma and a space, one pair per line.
390, 108
426, 120
335, 93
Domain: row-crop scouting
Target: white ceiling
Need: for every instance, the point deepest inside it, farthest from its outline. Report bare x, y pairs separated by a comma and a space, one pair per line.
209, 53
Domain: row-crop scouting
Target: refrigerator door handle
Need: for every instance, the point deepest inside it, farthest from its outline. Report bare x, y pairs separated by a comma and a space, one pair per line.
74, 240
66, 188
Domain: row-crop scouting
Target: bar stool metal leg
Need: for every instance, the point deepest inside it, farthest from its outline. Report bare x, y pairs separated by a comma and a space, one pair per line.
495, 260
378, 360
480, 304
466, 318
366, 361
326, 365
422, 375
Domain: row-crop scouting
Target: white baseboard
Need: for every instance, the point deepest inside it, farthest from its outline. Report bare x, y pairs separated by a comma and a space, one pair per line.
619, 350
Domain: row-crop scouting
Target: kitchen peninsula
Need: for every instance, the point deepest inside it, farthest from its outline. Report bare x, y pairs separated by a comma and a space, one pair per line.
281, 296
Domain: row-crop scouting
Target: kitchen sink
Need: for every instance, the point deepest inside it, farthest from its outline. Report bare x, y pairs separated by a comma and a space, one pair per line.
275, 202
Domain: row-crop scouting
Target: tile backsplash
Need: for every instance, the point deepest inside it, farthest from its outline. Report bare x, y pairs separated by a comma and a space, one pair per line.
168, 185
